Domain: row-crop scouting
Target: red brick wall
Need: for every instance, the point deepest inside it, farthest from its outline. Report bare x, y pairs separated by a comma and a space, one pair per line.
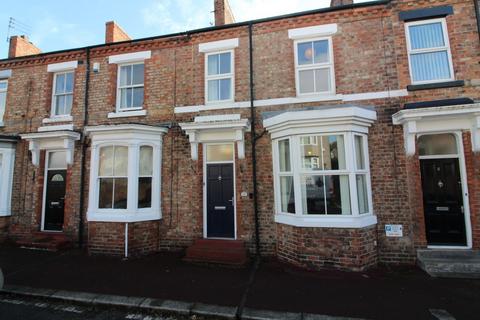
4, 223
365, 61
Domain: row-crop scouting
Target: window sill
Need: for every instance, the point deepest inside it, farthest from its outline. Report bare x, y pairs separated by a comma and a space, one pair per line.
119, 216
355, 222
436, 85
58, 119
126, 114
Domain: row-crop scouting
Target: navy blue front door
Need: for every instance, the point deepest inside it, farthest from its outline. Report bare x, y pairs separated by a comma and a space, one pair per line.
220, 201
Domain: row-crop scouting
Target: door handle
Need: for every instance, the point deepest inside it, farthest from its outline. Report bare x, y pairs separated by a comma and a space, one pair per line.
220, 208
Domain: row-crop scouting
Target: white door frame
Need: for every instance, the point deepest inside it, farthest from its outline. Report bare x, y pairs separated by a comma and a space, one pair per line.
204, 146
463, 176
44, 196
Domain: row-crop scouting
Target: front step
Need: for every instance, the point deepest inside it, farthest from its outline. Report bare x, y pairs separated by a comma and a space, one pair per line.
223, 252
48, 241
450, 263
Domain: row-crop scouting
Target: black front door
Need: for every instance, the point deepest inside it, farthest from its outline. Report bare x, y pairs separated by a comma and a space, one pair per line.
220, 201
54, 200
443, 202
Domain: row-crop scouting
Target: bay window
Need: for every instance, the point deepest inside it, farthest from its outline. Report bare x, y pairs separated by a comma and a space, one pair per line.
125, 173
7, 161
3, 98
321, 175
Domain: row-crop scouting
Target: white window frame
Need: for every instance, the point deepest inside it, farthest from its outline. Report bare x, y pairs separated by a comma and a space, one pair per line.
133, 137
447, 48
53, 115
119, 88
222, 76
353, 220
5, 103
6, 180
330, 65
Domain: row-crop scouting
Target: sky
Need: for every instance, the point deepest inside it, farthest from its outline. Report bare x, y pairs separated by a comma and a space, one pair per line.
59, 24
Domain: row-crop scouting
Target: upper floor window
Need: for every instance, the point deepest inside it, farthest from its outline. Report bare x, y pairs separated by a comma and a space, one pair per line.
219, 76
3, 98
62, 93
429, 51
314, 67
130, 86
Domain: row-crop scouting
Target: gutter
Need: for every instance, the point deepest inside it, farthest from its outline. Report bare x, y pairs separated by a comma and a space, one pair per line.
477, 14
84, 149
254, 143
214, 28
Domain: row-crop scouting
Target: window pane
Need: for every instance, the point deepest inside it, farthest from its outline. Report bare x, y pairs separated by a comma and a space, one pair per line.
287, 194
362, 193
3, 97
306, 81
225, 89
305, 53
146, 161
126, 98
430, 66
137, 97
213, 90
138, 73
59, 105
120, 167
213, 64
337, 195
125, 75
219, 152
437, 144
57, 160
69, 82
120, 194
359, 151
326, 195
321, 51
329, 154
284, 155
322, 80
105, 193
106, 161
427, 36
225, 60
60, 83
3, 85
144, 192
68, 103
313, 194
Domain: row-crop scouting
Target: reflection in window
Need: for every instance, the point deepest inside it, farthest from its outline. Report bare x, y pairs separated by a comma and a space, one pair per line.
113, 177
314, 67
145, 177
329, 154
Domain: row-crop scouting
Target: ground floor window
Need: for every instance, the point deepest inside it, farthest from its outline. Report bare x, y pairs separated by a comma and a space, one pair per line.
7, 159
125, 173
328, 176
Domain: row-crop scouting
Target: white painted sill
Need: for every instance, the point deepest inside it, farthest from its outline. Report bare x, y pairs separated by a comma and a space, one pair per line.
126, 114
123, 215
304, 221
55, 119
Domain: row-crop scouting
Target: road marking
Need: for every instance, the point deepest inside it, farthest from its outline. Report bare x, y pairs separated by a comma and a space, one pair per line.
441, 314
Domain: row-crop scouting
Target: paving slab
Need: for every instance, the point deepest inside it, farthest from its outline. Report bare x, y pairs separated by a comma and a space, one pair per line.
214, 310
151, 303
253, 314
115, 300
85, 297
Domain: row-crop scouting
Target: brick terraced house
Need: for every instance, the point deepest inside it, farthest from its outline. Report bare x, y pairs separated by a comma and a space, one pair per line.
340, 137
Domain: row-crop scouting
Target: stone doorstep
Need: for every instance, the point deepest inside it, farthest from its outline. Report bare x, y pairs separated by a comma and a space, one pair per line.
167, 306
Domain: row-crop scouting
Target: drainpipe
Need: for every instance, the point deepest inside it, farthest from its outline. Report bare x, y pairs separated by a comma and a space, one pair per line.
477, 14
126, 240
84, 150
253, 137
